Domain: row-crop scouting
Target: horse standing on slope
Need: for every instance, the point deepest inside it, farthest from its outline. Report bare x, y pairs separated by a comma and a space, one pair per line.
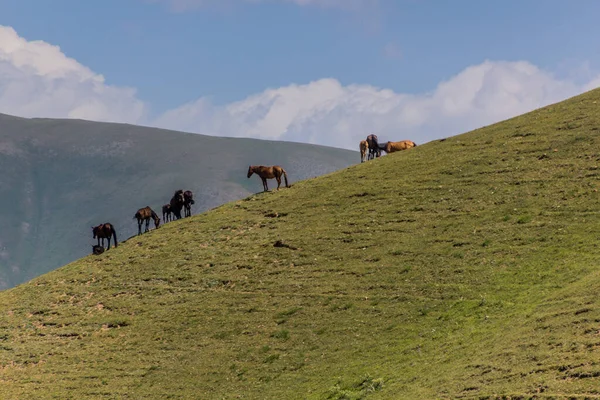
176, 203
363, 146
166, 209
188, 200
104, 231
144, 214
374, 150
265, 173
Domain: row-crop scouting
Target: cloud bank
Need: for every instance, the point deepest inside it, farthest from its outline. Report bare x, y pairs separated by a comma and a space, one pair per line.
38, 80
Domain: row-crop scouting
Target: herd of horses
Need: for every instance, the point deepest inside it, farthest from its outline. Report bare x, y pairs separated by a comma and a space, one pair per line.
374, 148
180, 200
183, 200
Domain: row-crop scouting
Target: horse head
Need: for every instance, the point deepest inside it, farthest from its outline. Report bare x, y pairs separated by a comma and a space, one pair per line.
156, 222
189, 196
250, 171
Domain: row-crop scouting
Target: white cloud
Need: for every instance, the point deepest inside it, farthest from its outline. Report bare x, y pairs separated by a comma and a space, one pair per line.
326, 112
37, 79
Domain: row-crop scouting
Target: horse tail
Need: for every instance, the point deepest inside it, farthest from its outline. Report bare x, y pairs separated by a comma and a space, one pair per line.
114, 235
285, 177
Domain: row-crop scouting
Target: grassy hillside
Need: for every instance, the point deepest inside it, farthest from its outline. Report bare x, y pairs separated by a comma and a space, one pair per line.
463, 268
60, 177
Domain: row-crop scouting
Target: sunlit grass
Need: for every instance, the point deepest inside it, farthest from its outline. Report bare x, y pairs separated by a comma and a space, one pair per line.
463, 268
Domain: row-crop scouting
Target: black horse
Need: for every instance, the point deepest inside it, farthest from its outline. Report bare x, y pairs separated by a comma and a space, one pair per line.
176, 203
374, 149
188, 200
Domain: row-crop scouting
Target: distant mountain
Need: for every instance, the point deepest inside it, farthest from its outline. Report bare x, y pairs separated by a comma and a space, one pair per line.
60, 177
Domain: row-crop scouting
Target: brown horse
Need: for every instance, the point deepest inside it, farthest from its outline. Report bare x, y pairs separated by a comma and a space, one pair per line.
144, 214
363, 146
176, 203
166, 209
104, 231
374, 150
268, 173
188, 200
391, 147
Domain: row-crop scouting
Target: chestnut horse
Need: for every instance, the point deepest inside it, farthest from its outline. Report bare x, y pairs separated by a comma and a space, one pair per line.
391, 147
104, 231
144, 214
188, 200
363, 146
374, 150
268, 173
166, 209
176, 203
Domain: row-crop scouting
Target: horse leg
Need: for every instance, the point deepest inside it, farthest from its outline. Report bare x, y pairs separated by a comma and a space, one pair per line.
278, 181
147, 224
265, 186
108, 243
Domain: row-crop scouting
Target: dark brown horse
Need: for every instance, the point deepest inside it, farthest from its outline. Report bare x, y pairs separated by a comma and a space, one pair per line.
374, 149
166, 209
144, 214
268, 173
188, 200
176, 203
104, 231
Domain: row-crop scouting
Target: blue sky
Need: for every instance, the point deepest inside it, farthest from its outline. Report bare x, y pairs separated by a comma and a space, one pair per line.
218, 55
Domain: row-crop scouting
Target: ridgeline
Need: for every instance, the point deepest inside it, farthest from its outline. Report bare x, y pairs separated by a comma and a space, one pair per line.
462, 268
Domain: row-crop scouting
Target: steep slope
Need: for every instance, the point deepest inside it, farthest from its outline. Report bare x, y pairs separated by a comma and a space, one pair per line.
60, 177
462, 268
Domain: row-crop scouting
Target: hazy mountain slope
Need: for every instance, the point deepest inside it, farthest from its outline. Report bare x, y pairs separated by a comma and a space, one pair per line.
62, 176
464, 268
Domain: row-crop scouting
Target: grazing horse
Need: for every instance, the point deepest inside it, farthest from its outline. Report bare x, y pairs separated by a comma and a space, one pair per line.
144, 214
188, 200
104, 231
166, 209
176, 203
374, 150
391, 147
268, 173
363, 146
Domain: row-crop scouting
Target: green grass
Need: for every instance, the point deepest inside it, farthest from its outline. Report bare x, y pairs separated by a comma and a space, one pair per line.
463, 268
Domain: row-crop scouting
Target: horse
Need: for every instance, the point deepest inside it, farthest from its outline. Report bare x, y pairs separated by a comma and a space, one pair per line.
374, 150
391, 147
188, 200
104, 231
166, 209
363, 146
176, 203
144, 214
265, 173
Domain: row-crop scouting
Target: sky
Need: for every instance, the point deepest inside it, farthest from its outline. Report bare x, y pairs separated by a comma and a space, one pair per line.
315, 71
